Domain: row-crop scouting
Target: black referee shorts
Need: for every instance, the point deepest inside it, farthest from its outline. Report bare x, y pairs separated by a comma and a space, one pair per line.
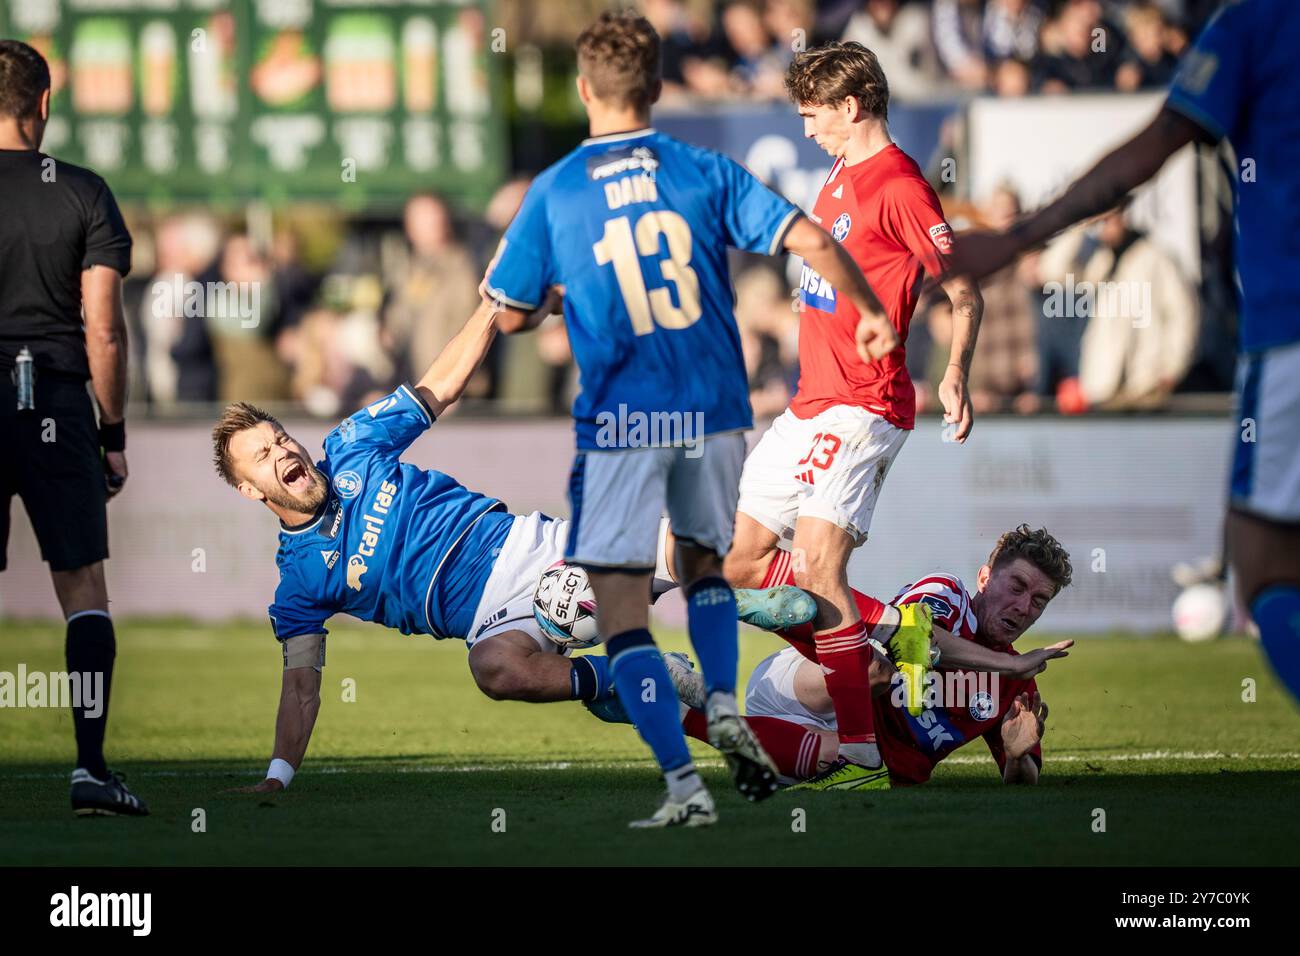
50, 458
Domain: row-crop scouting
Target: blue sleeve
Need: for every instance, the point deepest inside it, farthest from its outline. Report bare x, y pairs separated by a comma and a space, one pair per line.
755, 218
1212, 85
387, 426
520, 272
292, 612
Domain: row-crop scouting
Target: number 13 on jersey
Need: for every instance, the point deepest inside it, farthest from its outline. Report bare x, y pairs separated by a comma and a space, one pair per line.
623, 245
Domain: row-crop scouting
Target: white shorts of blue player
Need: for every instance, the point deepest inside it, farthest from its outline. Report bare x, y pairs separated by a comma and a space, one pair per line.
619, 495
1266, 463
535, 543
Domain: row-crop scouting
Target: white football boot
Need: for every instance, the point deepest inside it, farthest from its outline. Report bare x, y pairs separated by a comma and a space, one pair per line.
696, 810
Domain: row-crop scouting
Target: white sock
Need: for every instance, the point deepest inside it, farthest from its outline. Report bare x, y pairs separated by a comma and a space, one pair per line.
887, 626
683, 782
864, 755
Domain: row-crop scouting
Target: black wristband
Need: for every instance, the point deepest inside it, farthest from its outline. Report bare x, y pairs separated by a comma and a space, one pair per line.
112, 437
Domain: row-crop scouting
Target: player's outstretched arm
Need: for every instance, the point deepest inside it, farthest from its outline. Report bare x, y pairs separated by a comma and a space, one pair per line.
875, 336
977, 254
956, 652
967, 312
510, 320
299, 705
455, 365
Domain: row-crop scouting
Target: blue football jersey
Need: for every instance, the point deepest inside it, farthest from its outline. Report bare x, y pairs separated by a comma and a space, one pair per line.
635, 227
1241, 81
394, 544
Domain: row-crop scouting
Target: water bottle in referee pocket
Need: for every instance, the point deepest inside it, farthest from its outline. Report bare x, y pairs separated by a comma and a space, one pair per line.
25, 380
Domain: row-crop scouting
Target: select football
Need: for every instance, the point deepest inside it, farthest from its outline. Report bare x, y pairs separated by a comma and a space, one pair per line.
565, 607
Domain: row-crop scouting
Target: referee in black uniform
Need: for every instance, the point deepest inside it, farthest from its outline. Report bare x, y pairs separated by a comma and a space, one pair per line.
63, 252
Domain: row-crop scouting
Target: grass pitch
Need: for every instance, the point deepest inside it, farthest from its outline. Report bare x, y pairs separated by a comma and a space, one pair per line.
422, 769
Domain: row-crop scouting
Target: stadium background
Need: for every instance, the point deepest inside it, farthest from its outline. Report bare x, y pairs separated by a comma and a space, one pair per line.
355, 163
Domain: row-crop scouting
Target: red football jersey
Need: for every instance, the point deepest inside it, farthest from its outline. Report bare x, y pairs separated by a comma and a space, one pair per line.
888, 218
913, 746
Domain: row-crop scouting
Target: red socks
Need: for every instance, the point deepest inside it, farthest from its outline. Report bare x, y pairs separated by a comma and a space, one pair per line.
793, 748
845, 657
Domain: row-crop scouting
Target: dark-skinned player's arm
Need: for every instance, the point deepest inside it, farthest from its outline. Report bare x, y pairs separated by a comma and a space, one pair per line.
875, 337
977, 254
106, 351
1022, 730
299, 705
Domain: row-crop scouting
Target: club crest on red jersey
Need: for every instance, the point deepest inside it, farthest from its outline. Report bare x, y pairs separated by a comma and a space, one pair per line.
840, 228
982, 706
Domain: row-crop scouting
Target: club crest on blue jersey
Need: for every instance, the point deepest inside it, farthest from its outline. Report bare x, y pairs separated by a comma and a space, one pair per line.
815, 292
347, 484
841, 226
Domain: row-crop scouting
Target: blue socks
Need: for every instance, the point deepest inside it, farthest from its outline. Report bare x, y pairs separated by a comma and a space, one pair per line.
647, 694
590, 677
711, 620
1276, 611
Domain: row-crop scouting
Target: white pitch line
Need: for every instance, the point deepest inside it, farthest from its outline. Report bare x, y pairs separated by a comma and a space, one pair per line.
550, 765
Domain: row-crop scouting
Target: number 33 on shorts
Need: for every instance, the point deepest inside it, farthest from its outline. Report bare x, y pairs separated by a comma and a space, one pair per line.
831, 466
824, 447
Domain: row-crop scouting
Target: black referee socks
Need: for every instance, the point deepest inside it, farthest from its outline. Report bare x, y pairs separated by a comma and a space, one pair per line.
90, 649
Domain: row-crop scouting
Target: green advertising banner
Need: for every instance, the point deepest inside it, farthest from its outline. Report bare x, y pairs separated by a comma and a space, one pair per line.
354, 103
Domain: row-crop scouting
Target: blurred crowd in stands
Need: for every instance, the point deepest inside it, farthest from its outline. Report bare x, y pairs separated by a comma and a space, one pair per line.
349, 308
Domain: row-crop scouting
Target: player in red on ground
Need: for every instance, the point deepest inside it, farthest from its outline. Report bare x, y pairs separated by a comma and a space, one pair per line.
790, 710
816, 474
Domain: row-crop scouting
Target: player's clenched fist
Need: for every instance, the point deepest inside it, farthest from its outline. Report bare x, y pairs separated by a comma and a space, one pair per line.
875, 337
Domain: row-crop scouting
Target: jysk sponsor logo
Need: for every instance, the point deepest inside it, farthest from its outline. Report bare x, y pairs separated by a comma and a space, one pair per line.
840, 228
347, 484
815, 292
373, 520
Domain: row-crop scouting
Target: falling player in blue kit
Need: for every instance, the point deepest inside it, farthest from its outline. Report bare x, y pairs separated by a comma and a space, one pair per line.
633, 228
365, 534
1240, 82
